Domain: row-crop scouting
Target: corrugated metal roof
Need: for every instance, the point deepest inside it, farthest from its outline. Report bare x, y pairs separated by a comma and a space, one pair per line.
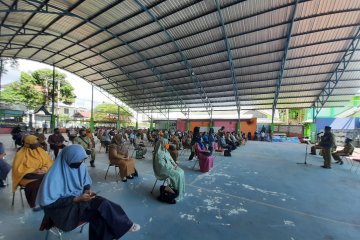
175, 53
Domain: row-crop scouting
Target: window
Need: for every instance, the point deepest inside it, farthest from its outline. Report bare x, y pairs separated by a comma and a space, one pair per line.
66, 111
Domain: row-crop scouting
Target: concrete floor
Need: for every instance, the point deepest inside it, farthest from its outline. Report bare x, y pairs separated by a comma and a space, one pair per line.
258, 193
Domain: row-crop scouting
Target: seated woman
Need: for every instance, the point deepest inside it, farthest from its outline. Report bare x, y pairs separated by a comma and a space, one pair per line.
118, 155
139, 146
30, 164
67, 200
206, 161
164, 166
4, 166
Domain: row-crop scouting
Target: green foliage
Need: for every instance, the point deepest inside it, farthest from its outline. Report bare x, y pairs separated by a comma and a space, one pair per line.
37, 89
23, 92
7, 61
108, 112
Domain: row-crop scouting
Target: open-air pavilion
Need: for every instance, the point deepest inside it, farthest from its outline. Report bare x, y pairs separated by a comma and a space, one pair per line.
203, 56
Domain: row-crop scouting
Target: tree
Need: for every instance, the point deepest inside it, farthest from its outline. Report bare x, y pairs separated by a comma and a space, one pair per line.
109, 112
7, 61
37, 89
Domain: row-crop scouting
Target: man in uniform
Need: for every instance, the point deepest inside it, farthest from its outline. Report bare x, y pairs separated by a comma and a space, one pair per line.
327, 143
347, 151
87, 144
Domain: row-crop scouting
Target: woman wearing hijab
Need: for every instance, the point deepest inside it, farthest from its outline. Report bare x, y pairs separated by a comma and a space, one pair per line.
118, 155
4, 166
67, 200
164, 166
30, 164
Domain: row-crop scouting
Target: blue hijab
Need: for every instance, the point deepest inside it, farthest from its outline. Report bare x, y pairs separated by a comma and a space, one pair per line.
61, 180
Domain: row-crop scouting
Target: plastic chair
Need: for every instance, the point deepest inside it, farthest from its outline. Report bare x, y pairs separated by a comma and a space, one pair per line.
159, 179
48, 225
116, 173
22, 188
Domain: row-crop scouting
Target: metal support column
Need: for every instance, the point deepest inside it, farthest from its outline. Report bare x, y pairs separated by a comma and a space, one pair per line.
151, 122
168, 123
92, 110
238, 124
283, 61
137, 120
211, 119
188, 121
118, 119
52, 122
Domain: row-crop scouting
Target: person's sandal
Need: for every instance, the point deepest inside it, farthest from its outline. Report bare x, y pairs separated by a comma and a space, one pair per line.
134, 228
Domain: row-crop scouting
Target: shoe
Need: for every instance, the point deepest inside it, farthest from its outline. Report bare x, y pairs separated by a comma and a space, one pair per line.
92, 164
135, 174
124, 179
129, 177
36, 209
2, 185
325, 167
341, 162
135, 227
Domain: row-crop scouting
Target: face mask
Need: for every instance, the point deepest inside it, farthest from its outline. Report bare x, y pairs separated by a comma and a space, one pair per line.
34, 146
75, 165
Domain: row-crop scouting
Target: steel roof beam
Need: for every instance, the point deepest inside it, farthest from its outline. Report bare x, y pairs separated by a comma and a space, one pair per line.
283, 61
115, 85
164, 99
14, 7
215, 90
89, 21
147, 108
249, 45
25, 31
230, 58
175, 25
192, 75
202, 31
256, 64
119, 22
217, 79
237, 35
72, 28
337, 74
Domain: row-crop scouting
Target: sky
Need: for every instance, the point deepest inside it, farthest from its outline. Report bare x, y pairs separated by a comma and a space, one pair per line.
82, 88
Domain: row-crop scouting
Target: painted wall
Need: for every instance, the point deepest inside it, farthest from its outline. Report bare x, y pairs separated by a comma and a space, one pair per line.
247, 125
181, 124
203, 124
337, 123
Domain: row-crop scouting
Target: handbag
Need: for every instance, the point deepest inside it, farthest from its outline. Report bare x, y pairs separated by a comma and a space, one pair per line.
167, 194
227, 153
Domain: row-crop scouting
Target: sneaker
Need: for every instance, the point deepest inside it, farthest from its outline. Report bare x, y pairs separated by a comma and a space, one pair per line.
129, 177
326, 167
135, 227
124, 179
92, 164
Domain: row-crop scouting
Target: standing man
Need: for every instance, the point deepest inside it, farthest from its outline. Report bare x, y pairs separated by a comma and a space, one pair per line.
87, 144
56, 141
45, 127
327, 143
